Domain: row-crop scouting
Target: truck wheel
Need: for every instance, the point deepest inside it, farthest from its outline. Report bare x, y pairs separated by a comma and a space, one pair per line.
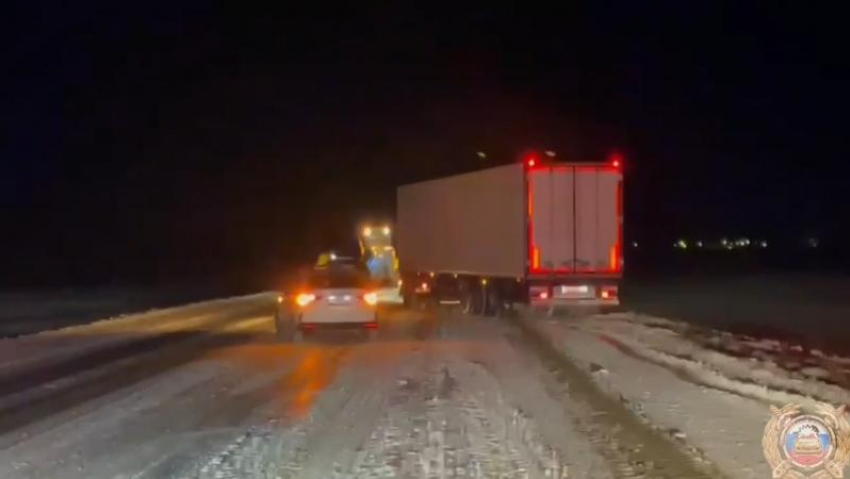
473, 301
492, 302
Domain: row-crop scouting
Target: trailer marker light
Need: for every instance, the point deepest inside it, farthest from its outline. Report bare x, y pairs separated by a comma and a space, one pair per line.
616, 160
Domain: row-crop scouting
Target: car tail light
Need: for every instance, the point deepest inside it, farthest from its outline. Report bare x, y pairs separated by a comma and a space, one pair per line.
609, 292
371, 298
372, 325
543, 295
304, 299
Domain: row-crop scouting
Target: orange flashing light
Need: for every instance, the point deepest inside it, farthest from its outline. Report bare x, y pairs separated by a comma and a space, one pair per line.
535, 258
371, 298
304, 299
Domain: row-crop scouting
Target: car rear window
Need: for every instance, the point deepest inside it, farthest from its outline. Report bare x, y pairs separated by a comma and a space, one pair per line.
339, 278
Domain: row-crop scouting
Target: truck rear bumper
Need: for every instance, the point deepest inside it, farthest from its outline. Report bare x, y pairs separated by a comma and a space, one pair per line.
575, 302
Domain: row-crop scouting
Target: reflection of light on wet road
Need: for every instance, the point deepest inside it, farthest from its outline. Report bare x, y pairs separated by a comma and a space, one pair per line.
291, 378
310, 377
302, 371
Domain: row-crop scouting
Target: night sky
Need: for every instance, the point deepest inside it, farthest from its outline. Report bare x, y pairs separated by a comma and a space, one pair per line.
154, 143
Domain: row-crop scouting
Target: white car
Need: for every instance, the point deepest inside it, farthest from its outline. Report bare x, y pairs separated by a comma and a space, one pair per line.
334, 297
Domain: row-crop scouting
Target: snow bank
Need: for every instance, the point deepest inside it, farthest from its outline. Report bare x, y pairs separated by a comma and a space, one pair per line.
50, 347
765, 369
712, 398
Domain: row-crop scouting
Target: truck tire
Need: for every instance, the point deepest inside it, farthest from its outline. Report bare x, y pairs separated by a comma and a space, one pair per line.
473, 301
492, 301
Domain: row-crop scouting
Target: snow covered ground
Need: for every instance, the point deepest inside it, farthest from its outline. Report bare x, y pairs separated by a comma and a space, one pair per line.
809, 308
433, 397
63, 344
470, 405
709, 390
29, 311
207, 391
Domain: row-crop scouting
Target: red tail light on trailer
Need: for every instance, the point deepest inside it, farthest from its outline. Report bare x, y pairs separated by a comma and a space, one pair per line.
609, 292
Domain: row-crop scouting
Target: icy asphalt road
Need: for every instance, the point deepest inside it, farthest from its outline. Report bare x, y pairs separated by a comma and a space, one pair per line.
436, 395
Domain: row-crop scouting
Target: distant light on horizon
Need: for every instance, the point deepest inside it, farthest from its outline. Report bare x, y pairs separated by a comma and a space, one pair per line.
742, 242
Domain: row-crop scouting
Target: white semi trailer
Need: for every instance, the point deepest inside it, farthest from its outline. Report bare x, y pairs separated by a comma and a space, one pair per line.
531, 232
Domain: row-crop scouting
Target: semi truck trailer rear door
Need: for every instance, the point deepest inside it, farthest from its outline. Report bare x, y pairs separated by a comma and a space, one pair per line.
574, 219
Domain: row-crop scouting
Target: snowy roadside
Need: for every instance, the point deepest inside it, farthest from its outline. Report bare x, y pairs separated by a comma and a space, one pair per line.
708, 390
47, 348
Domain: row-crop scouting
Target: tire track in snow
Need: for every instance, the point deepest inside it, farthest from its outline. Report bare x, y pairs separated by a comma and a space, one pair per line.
417, 410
